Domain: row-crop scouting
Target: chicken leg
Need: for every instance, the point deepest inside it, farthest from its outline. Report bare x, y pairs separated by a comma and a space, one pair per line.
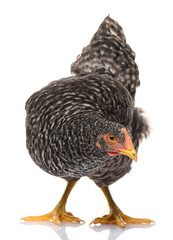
116, 215
58, 214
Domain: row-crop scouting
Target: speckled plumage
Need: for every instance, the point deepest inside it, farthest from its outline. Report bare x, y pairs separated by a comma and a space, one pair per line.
108, 53
65, 118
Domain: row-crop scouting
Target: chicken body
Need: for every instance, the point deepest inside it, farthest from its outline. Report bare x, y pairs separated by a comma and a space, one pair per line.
65, 118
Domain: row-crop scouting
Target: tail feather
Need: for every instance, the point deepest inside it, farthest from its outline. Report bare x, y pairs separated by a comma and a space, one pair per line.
140, 127
108, 53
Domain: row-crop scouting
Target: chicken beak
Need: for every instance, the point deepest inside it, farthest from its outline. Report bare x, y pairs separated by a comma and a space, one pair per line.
130, 153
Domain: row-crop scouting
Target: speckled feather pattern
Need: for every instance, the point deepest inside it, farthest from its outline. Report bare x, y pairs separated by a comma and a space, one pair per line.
109, 53
65, 118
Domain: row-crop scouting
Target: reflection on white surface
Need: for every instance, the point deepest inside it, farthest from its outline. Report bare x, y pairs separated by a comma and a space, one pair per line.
114, 231
59, 230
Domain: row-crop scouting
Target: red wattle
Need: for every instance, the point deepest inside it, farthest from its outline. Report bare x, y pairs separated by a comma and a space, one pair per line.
112, 154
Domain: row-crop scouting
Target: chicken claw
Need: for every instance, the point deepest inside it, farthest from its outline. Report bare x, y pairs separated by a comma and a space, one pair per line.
120, 219
57, 216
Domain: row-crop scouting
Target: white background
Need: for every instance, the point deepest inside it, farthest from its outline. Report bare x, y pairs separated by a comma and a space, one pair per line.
39, 41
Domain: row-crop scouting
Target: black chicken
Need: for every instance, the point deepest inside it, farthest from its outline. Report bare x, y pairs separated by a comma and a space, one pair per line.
87, 125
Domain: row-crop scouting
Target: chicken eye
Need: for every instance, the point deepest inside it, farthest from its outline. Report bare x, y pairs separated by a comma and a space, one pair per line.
111, 138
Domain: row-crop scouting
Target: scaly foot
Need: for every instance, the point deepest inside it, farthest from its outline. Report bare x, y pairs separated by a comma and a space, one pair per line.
120, 219
57, 216
116, 215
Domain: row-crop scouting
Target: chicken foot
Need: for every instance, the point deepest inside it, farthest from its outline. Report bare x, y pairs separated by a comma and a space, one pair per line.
116, 215
58, 214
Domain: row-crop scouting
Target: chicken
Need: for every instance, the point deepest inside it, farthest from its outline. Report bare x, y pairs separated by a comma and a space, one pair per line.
87, 124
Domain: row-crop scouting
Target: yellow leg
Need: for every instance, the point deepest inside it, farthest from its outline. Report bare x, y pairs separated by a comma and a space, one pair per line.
116, 215
58, 214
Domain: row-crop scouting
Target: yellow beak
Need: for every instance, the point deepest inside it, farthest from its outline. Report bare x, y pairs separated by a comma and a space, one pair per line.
130, 153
